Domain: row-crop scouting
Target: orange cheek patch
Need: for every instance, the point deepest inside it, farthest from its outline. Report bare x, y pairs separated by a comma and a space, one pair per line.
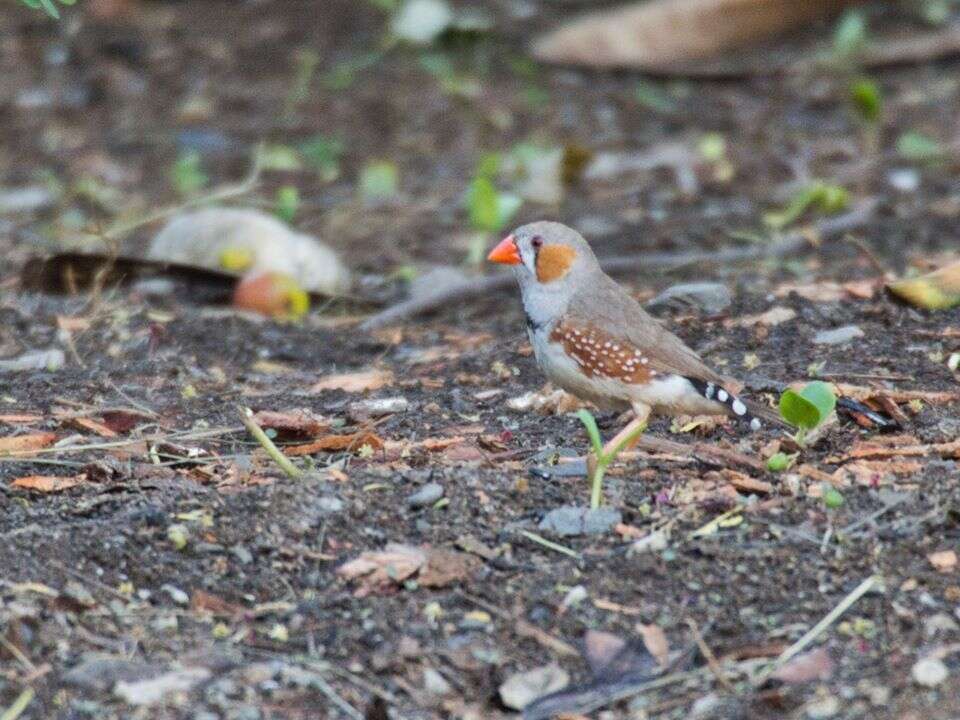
553, 262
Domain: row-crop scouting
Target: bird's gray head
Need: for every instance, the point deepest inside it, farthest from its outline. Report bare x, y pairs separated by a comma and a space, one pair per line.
551, 262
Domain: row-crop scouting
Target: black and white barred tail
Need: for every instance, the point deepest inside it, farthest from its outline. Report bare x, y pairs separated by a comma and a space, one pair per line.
738, 408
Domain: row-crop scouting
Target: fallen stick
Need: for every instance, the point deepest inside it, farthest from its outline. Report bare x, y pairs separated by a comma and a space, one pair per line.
787, 245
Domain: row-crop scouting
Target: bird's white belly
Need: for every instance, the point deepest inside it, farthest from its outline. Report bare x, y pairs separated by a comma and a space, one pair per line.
670, 394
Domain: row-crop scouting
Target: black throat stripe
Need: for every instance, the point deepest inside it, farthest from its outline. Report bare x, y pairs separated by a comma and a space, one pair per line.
532, 325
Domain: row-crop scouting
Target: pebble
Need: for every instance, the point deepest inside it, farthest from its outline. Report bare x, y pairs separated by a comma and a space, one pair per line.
159, 689
905, 180
426, 495
710, 297
571, 521
31, 198
838, 336
522, 688
101, 673
330, 504
176, 594
366, 409
434, 683
823, 708
242, 554
49, 360
929, 672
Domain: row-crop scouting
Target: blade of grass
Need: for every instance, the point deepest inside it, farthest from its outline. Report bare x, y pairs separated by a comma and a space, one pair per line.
19, 705
556, 547
282, 461
592, 430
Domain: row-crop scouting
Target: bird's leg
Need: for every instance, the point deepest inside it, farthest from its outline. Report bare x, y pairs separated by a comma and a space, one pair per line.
641, 415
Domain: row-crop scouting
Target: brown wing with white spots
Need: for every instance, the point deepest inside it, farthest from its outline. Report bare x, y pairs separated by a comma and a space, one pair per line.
602, 355
607, 308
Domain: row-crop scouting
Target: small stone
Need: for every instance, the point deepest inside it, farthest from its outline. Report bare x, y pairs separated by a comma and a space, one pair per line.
165, 624
823, 708
710, 297
26, 199
522, 688
905, 180
421, 21
176, 594
434, 683
376, 408
101, 673
242, 554
654, 542
49, 360
426, 495
838, 336
571, 521
929, 672
158, 689
330, 504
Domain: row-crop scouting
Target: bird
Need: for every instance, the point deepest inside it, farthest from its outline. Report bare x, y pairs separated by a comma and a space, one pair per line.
594, 340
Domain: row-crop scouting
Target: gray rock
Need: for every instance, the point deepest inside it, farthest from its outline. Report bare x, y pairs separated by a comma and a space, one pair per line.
26, 199
330, 504
929, 672
571, 521
710, 297
366, 409
102, 673
157, 689
176, 594
426, 495
838, 336
242, 554
522, 688
49, 360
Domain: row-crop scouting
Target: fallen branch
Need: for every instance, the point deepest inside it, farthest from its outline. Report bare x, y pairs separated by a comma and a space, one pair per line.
282, 461
787, 245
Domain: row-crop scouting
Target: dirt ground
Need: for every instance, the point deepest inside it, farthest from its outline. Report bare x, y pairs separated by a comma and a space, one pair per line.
182, 556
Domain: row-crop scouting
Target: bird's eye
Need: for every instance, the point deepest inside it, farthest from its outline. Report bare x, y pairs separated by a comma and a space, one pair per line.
537, 241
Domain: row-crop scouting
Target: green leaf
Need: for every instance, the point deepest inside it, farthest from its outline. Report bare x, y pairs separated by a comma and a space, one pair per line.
832, 498
913, 145
779, 462
850, 37
187, 175
809, 407
867, 99
323, 154
379, 181
287, 203
828, 198
280, 158
592, 430
483, 205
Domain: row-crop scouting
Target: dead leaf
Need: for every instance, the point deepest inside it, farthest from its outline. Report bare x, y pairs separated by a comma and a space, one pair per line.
381, 570
94, 426
336, 443
745, 483
26, 443
72, 324
202, 601
938, 290
20, 419
48, 483
355, 382
826, 291
299, 423
773, 316
861, 289
655, 640
662, 34
944, 561
808, 667
868, 449
123, 420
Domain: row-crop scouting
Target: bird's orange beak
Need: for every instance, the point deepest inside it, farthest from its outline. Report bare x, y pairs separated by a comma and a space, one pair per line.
505, 252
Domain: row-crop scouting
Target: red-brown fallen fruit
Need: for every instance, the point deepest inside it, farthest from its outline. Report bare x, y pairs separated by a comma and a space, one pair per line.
273, 294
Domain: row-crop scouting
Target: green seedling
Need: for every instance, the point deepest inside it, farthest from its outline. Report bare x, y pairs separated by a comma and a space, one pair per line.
602, 459
916, 146
867, 100
654, 97
489, 209
48, 6
187, 175
322, 154
287, 203
280, 158
832, 498
822, 196
379, 181
808, 408
779, 462
850, 38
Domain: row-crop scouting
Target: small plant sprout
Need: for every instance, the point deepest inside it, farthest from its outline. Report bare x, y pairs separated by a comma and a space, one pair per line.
601, 460
780, 461
822, 196
287, 203
48, 6
808, 408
